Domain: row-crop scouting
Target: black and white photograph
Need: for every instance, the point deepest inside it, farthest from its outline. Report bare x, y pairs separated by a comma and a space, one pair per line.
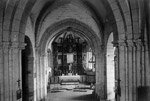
74, 50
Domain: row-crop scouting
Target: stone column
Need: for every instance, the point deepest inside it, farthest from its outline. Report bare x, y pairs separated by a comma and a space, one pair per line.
45, 75
116, 61
40, 72
116, 66
17, 67
122, 69
134, 73
100, 75
128, 66
1, 74
138, 60
42, 68
50, 62
147, 69
41, 76
10, 71
133, 68
4, 71
37, 65
130, 72
143, 71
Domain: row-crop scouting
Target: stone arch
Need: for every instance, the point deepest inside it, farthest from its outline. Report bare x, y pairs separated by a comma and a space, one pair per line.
129, 45
13, 19
76, 25
48, 10
129, 18
27, 71
85, 31
122, 17
110, 69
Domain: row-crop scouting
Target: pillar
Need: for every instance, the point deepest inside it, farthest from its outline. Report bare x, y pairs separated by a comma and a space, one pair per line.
122, 70
50, 62
1, 74
130, 87
37, 65
147, 69
41, 75
100, 88
133, 70
143, 71
127, 68
10, 70
43, 66
5, 86
116, 66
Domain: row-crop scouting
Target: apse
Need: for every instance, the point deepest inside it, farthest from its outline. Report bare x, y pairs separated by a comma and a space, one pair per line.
72, 55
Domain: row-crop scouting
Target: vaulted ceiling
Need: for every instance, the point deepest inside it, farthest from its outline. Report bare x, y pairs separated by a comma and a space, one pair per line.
93, 13
97, 9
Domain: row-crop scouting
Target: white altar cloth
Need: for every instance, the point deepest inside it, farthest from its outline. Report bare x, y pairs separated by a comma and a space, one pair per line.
71, 78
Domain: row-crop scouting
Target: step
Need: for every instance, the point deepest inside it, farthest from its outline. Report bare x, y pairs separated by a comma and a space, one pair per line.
69, 83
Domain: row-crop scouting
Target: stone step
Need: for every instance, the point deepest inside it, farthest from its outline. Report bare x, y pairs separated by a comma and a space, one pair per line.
69, 83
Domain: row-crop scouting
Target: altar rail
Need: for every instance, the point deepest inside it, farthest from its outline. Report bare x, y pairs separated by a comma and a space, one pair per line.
78, 78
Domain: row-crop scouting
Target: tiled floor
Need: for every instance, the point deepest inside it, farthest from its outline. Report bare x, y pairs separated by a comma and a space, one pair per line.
71, 93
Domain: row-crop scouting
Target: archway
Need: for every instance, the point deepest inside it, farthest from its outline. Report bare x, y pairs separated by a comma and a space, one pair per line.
27, 71
72, 54
73, 64
110, 68
83, 31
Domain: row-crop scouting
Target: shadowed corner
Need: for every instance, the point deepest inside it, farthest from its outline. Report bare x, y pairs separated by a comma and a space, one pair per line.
143, 93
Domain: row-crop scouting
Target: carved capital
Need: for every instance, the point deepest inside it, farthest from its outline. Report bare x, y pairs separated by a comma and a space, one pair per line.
138, 43
122, 43
17, 45
22, 45
130, 43
4, 45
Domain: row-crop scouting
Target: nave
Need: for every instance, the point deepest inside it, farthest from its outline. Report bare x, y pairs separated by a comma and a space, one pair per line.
102, 41
72, 92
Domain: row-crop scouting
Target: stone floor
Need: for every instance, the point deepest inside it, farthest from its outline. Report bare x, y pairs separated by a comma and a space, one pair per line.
71, 93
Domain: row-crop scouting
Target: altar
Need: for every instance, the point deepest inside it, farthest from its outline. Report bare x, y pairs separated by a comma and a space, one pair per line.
67, 78
70, 78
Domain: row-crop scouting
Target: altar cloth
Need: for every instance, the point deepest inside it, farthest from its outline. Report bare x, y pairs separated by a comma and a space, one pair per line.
72, 78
